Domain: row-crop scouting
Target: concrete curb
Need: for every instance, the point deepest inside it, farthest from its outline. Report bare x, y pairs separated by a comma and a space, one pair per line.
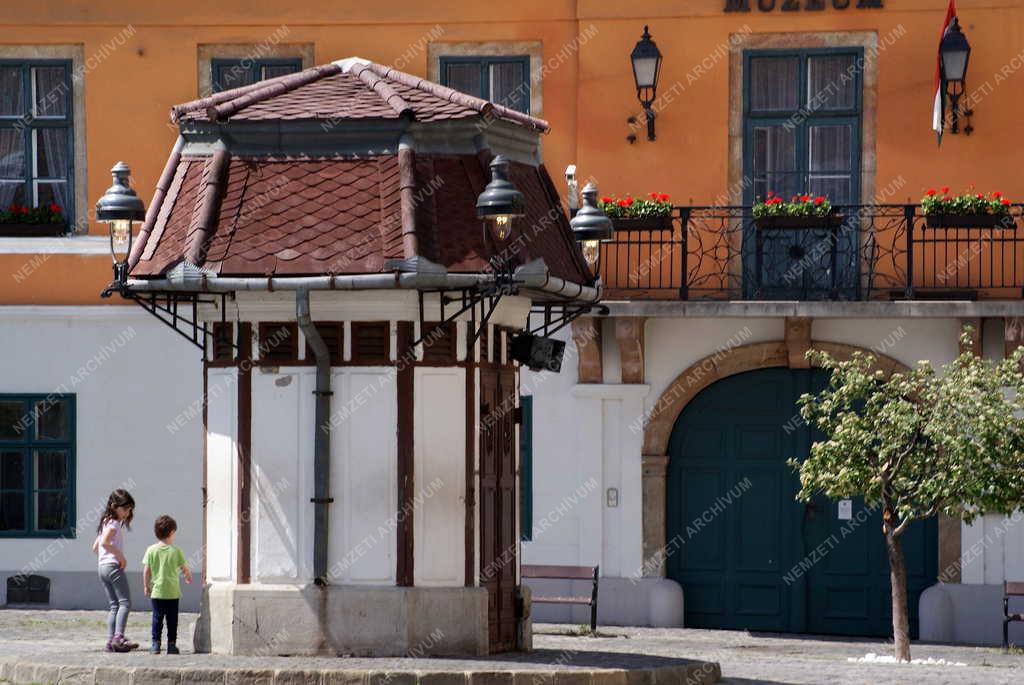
26, 673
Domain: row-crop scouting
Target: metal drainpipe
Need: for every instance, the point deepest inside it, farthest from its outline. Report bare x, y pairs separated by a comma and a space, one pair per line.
322, 436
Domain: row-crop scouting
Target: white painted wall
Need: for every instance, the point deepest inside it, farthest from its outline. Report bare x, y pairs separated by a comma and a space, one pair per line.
590, 431
221, 459
439, 523
364, 457
132, 378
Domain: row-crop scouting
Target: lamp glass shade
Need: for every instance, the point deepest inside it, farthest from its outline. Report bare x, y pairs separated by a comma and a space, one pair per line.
502, 226
954, 51
591, 252
646, 59
120, 238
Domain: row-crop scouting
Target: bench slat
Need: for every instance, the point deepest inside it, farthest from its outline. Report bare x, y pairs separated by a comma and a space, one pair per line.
1014, 587
562, 572
561, 600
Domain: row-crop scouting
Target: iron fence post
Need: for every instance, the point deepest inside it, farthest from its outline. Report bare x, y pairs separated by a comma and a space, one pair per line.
908, 216
684, 221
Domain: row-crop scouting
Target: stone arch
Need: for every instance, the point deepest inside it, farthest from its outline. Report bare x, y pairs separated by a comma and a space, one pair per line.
699, 375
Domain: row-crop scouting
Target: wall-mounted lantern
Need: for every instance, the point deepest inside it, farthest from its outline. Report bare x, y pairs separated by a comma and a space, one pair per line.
646, 59
500, 203
591, 227
954, 53
120, 207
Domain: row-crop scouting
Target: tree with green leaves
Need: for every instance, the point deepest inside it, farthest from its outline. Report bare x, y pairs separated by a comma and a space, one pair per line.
917, 443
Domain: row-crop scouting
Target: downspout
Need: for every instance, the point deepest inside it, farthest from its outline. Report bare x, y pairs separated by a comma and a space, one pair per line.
321, 438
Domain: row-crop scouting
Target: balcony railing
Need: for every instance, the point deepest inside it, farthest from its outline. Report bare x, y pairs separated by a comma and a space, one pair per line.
876, 252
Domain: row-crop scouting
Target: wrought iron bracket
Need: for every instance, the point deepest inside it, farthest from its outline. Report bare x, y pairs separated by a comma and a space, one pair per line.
177, 311
559, 315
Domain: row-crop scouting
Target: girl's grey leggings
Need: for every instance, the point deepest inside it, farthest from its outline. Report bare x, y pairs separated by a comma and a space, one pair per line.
115, 582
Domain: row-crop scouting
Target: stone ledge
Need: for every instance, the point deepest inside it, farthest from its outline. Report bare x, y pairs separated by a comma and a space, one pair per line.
26, 673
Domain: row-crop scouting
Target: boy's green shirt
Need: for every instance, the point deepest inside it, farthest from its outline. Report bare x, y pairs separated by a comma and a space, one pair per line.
164, 562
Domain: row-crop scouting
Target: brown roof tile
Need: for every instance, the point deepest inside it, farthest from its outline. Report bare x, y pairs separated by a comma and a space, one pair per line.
329, 93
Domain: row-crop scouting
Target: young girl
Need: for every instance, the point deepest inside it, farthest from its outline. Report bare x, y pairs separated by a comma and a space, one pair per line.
109, 546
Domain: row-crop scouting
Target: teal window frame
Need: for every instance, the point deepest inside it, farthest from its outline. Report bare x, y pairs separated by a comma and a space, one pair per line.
28, 123
526, 469
253, 66
28, 446
485, 62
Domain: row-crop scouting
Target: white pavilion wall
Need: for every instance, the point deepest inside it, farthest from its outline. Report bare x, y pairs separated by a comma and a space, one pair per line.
364, 457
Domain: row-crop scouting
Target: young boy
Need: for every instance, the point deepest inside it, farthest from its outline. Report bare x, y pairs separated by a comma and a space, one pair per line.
160, 576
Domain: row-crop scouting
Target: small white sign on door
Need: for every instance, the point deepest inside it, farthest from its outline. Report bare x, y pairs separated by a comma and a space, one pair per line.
845, 509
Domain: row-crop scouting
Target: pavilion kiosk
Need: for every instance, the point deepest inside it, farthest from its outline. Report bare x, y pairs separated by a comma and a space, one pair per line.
357, 252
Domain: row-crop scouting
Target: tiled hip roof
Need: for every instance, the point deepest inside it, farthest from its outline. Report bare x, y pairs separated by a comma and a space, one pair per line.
306, 215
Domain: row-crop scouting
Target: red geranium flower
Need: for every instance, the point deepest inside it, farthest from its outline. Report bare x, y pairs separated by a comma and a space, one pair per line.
771, 194
818, 200
606, 199
805, 198
1005, 201
931, 192
996, 194
981, 196
947, 198
945, 190
622, 203
653, 196
663, 197
23, 210
54, 207
629, 200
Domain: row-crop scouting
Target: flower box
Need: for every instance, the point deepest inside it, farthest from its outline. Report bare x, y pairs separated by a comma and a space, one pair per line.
642, 223
799, 222
33, 230
971, 221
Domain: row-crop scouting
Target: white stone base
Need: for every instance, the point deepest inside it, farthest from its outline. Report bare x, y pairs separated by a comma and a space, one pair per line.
966, 615
269, 620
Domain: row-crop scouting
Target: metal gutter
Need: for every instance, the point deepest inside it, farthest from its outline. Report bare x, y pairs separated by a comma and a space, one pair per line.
534, 277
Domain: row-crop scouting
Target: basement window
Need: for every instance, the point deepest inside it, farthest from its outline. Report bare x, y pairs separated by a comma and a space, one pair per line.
28, 589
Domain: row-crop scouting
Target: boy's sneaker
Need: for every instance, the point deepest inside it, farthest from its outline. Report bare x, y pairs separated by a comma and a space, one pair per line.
172, 648
155, 649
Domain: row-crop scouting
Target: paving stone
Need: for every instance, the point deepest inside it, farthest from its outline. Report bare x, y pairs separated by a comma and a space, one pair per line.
156, 676
348, 677
77, 675
608, 677
571, 678
248, 676
113, 676
296, 677
391, 678
203, 676
490, 678
442, 678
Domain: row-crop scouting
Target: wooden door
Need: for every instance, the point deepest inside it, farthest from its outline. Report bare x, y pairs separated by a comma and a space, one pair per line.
498, 545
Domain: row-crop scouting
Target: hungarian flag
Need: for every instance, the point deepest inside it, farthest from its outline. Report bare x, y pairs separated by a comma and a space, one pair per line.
939, 107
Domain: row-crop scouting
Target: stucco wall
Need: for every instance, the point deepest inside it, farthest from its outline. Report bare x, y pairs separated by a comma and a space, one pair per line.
131, 378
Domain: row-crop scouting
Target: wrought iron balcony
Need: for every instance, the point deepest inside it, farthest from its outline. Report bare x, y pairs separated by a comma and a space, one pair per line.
871, 252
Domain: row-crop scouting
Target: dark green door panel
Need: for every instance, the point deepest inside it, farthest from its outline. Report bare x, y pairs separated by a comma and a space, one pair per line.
748, 555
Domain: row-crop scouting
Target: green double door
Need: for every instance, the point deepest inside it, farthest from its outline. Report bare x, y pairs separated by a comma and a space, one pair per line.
748, 555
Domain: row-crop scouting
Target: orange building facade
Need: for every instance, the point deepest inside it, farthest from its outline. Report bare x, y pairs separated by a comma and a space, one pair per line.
843, 107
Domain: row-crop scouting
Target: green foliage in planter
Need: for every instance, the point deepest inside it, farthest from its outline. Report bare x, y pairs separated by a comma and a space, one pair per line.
656, 204
941, 202
800, 205
20, 214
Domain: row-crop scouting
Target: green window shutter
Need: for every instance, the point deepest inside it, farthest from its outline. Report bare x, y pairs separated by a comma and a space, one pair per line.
526, 469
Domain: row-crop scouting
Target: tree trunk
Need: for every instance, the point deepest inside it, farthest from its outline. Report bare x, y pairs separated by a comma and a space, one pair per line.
898, 580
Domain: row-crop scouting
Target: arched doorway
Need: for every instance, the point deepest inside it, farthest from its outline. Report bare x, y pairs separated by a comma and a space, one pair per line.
748, 555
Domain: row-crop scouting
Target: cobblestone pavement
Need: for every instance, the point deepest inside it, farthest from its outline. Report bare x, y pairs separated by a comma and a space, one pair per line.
76, 637
774, 659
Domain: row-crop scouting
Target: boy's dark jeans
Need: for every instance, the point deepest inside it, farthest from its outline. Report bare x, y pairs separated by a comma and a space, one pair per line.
165, 608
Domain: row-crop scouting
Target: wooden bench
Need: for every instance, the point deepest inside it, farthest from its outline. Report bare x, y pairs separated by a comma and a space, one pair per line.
567, 573
1010, 589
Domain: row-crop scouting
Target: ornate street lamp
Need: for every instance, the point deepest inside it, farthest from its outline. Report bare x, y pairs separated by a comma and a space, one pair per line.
954, 53
646, 60
591, 227
119, 208
500, 203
